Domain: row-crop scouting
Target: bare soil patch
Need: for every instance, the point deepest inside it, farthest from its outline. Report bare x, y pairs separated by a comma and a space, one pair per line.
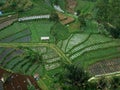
16, 81
65, 19
71, 4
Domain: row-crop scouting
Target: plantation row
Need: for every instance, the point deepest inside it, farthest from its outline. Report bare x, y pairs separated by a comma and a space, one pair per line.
78, 41
92, 48
30, 31
106, 66
20, 36
78, 44
13, 59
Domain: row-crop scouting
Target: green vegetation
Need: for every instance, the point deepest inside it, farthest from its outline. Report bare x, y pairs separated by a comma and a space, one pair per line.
59, 31
108, 15
18, 5
58, 61
89, 49
36, 30
75, 78
85, 6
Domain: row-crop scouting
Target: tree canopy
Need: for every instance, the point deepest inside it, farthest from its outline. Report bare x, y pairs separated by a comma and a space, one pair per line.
59, 31
108, 13
75, 77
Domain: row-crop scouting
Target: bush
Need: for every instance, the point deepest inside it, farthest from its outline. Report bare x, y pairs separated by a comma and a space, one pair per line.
59, 31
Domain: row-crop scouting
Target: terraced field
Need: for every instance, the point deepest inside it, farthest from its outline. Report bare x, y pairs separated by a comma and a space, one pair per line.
89, 48
95, 52
30, 31
105, 66
12, 58
51, 65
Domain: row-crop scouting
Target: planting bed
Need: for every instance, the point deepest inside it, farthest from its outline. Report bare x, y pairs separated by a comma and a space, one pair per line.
105, 66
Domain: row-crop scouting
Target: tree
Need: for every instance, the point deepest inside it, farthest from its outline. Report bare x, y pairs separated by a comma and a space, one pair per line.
17, 5
59, 31
103, 84
2, 2
75, 77
54, 2
32, 55
54, 17
82, 21
108, 13
115, 83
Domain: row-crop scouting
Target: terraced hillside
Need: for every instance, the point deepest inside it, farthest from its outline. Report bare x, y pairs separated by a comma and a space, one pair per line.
89, 48
13, 59
48, 67
89, 45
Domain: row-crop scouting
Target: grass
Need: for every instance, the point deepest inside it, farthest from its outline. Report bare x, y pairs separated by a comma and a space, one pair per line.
92, 57
42, 85
91, 27
38, 29
38, 8
84, 6
59, 31
74, 27
16, 27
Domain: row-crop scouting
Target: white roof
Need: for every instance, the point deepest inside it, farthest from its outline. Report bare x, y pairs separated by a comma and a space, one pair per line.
45, 38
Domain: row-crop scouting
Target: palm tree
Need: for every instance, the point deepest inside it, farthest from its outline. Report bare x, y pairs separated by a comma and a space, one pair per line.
32, 55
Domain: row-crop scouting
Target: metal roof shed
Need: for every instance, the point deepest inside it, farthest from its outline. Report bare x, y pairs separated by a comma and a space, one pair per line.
45, 38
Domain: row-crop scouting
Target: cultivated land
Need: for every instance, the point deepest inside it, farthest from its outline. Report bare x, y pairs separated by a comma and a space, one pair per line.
23, 52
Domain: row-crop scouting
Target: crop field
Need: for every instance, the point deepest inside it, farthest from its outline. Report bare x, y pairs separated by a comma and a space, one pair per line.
44, 38
26, 31
12, 58
39, 29
38, 8
89, 48
105, 66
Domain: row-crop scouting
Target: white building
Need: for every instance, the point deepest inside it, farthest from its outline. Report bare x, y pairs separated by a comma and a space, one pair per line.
45, 38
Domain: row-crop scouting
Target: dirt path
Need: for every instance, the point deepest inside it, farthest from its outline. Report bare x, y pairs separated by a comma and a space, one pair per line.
71, 4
